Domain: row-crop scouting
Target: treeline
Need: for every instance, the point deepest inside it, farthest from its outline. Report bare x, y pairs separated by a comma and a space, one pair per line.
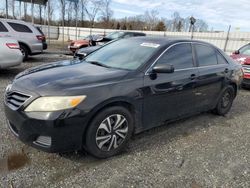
98, 14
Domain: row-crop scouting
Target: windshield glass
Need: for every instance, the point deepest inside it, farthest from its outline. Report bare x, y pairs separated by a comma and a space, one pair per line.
114, 35
87, 37
124, 54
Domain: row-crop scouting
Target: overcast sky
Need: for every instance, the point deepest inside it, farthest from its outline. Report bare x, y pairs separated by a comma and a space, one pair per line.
217, 13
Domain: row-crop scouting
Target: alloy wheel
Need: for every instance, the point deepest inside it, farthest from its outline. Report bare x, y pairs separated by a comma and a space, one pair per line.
226, 99
112, 132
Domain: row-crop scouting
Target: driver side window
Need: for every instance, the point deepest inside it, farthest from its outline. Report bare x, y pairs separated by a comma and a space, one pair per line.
180, 56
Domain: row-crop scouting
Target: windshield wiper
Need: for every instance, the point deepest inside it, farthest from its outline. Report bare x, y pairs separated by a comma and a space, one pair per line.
99, 64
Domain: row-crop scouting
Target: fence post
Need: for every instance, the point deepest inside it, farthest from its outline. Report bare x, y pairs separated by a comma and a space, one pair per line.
227, 38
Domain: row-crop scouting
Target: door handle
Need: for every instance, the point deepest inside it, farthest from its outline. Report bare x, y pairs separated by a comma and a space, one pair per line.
192, 77
226, 70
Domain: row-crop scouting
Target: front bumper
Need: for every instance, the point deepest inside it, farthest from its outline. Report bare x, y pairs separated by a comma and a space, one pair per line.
246, 82
51, 132
73, 48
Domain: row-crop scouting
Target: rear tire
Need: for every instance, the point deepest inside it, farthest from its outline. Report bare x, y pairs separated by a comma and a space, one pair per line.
109, 132
225, 102
25, 52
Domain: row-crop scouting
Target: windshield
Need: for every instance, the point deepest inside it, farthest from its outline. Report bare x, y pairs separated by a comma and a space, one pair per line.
126, 54
245, 50
87, 37
114, 35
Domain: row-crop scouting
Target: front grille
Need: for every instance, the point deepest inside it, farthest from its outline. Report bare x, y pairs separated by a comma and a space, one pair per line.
15, 99
246, 69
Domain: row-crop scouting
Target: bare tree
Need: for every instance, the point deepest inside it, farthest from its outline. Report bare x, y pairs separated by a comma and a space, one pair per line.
200, 26
25, 10
151, 19
92, 9
63, 10
13, 8
40, 11
106, 12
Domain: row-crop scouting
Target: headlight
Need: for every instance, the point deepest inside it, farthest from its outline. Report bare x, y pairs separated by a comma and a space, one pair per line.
51, 104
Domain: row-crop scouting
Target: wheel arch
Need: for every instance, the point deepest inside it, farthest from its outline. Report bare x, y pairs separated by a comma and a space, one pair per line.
26, 45
124, 102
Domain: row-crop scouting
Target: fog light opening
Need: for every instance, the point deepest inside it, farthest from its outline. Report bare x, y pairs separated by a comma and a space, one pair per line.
43, 140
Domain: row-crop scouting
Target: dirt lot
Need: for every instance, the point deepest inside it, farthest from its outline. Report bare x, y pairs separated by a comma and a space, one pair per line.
201, 151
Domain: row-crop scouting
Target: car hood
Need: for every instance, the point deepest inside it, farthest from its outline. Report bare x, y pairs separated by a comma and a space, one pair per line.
65, 76
80, 41
243, 59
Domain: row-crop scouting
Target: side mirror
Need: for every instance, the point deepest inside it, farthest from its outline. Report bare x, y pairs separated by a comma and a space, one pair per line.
236, 52
164, 68
80, 55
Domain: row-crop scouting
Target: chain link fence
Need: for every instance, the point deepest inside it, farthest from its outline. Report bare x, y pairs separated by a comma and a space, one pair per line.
227, 41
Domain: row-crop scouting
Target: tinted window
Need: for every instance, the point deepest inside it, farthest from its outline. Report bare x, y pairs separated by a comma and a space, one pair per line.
20, 27
205, 55
221, 60
245, 50
115, 35
180, 56
3, 28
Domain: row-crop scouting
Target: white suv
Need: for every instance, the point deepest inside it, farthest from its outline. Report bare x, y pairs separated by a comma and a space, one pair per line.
31, 40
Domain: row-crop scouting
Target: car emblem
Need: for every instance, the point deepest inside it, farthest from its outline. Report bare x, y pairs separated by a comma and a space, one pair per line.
8, 88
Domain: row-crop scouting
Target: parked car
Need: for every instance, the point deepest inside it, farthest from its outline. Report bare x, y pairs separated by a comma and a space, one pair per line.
85, 42
124, 88
243, 57
109, 38
120, 35
10, 54
30, 39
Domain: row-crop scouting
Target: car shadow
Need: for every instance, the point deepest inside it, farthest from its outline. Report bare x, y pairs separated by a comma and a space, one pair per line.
11, 72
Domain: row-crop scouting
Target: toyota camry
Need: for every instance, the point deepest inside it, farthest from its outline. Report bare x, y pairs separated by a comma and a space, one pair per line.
124, 88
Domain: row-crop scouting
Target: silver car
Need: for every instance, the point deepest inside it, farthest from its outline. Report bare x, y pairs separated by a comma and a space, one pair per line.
10, 54
31, 40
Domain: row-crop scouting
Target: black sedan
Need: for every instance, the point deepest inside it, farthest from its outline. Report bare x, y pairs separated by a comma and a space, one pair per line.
126, 87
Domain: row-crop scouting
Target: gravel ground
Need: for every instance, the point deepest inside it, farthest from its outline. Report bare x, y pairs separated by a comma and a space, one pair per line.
201, 151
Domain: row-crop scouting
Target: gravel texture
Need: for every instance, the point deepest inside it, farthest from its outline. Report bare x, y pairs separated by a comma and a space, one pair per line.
202, 151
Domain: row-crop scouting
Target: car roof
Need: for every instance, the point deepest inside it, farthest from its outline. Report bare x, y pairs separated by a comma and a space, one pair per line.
12, 20
164, 41
132, 32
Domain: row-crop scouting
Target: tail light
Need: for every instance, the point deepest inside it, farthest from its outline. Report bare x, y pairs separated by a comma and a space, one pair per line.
40, 37
13, 45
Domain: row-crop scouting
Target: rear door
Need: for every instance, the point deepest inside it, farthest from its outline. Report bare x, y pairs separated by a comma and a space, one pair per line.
171, 95
212, 73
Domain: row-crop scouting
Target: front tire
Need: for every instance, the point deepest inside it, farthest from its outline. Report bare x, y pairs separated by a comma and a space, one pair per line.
109, 132
225, 102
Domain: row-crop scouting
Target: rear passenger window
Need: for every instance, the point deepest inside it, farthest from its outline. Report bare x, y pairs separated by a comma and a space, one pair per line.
3, 28
205, 55
20, 27
221, 60
180, 56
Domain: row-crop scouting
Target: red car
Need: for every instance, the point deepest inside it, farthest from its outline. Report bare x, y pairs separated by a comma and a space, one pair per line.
243, 57
85, 42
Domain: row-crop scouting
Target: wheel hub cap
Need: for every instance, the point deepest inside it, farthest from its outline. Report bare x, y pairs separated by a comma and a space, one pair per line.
112, 132
225, 99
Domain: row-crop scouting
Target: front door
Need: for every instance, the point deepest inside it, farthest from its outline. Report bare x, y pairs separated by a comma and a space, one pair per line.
170, 95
